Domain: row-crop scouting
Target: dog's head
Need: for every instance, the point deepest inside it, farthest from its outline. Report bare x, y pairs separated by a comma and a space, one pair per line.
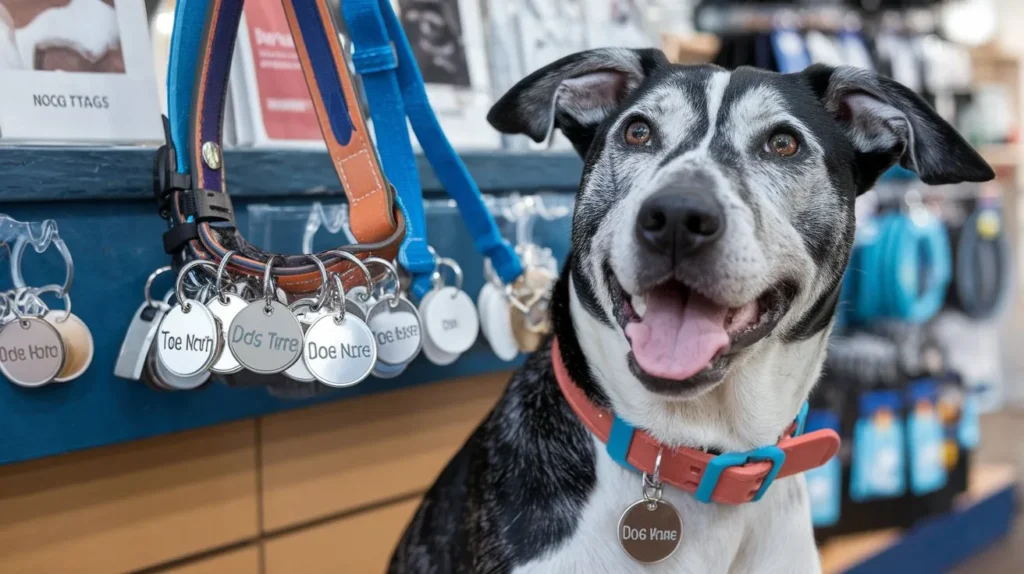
715, 214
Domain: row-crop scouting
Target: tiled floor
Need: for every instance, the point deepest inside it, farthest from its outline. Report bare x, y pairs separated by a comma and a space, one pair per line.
1002, 442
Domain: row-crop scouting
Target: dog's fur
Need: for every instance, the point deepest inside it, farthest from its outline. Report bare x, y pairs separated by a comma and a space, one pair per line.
532, 490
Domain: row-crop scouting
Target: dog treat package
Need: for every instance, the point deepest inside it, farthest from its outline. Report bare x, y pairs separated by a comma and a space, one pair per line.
925, 439
878, 465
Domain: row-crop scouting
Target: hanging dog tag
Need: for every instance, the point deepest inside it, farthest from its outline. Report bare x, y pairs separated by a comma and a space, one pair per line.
383, 371
225, 308
78, 343
31, 352
339, 351
189, 339
265, 337
430, 350
496, 322
307, 316
158, 375
131, 359
450, 320
650, 531
396, 328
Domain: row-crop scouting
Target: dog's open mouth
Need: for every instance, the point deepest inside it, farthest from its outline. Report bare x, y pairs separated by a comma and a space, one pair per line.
677, 333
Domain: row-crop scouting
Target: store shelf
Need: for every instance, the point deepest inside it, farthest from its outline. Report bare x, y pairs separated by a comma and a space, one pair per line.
983, 515
66, 173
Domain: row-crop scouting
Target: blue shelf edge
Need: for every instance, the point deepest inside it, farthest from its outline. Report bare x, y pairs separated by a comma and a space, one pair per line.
29, 174
940, 543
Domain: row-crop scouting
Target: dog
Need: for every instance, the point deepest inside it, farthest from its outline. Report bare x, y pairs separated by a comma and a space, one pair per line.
712, 226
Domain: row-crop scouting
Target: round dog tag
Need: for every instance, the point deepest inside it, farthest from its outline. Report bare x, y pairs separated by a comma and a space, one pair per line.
77, 342
430, 350
396, 328
496, 323
265, 337
31, 352
168, 381
306, 316
450, 320
225, 308
650, 531
385, 371
188, 341
339, 353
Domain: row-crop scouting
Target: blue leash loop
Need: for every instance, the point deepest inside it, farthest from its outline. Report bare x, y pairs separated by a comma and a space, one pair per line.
396, 91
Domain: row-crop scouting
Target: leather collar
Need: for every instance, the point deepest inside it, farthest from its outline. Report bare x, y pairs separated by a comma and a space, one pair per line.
728, 478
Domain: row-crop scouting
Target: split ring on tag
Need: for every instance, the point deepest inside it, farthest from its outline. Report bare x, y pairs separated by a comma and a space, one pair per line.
339, 349
265, 337
650, 530
189, 337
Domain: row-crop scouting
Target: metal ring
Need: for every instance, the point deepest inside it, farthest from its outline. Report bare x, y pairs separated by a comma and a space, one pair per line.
179, 288
27, 302
389, 269
149, 284
18, 252
268, 280
339, 286
456, 270
657, 469
325, 288
56, 289
358, 263
218, 281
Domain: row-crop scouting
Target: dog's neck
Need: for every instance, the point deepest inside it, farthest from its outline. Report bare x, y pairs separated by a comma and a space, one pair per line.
751, 408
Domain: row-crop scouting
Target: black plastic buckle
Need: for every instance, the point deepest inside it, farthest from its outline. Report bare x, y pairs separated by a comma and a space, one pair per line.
166, 179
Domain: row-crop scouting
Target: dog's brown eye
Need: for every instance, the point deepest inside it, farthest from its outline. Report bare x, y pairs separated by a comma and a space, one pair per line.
638, 133
783, 144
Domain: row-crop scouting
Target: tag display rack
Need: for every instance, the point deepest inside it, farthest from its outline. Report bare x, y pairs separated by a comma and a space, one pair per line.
102, 200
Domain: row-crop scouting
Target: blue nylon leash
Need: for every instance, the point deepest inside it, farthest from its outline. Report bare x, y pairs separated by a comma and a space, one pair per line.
396, 91
189, 19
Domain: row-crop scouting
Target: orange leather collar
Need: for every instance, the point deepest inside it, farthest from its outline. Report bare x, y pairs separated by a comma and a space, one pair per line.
729, 478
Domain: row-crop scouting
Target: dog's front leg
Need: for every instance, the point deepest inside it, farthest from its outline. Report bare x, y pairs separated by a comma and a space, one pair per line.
780, 538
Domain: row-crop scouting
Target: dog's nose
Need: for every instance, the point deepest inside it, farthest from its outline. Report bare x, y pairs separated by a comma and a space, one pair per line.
676, 221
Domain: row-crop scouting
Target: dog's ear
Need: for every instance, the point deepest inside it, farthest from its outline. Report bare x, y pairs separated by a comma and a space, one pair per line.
887, 122
574, 94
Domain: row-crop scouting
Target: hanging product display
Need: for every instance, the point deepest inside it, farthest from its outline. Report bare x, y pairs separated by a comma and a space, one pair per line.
395, 89
65, 81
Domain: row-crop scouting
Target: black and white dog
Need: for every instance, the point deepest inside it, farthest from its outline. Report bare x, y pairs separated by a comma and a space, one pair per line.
712, 226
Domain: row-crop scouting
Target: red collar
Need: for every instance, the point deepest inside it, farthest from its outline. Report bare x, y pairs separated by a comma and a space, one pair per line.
729, 478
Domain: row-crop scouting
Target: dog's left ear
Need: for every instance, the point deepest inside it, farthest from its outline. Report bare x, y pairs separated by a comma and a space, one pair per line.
574, 94
886, 122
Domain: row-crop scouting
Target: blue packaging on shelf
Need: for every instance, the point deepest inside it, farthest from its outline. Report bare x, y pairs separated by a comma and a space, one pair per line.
824, 483
878, 464
925, 439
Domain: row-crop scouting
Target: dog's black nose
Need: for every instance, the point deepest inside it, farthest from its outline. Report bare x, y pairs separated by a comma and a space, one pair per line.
676, 222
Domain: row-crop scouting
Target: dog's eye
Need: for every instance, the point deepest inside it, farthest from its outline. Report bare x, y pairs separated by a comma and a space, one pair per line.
783, 144
638, 132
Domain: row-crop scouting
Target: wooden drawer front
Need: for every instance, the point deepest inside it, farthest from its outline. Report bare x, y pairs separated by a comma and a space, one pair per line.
242, 561
332, 458
130, 506
360, 543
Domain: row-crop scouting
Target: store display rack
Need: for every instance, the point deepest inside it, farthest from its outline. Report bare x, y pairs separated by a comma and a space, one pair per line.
102, 200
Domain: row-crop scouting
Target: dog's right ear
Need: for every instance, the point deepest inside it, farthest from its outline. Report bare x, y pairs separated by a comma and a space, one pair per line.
574, 94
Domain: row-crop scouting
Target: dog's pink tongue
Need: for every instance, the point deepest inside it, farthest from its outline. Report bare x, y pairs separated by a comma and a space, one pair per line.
679, 335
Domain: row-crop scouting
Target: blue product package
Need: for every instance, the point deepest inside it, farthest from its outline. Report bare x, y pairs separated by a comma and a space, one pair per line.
969, 430
824, 483
926, 439
878, 462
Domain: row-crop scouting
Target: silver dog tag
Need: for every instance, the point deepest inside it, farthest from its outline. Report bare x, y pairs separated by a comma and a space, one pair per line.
384, 371
225, 308
397, 330
450, 320
265, 337
189, 339
139, 340
650, 531
31, 352
78, 343
340, 352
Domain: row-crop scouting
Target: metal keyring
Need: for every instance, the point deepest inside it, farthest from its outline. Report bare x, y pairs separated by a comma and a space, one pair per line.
18, 252
389, 269
654, 483
358, 263
438, 280
268, 284
339, 286
218, 281
56, 289
325, 288
149, 284
179, 288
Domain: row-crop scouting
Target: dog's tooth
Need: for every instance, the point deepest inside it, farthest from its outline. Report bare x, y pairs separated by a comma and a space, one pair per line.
639, 303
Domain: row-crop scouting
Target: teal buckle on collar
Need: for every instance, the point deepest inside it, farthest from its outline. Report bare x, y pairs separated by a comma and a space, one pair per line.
718, 465
619, 439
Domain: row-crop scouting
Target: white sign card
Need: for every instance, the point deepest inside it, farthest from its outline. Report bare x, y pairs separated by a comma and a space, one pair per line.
77, 71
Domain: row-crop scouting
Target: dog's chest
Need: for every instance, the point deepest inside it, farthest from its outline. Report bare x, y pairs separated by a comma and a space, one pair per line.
711, 537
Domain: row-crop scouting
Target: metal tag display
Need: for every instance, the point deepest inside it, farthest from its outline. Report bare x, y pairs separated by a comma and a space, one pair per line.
265, 337
189, 339
32, 352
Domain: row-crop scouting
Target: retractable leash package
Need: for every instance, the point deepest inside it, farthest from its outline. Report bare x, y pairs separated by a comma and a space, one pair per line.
231, 296
396, 93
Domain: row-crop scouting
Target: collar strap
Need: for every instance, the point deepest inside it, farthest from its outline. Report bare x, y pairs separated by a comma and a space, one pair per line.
202, 45
729, 478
